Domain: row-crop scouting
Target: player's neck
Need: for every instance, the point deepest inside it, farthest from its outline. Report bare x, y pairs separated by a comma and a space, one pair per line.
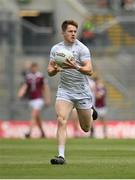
67, 43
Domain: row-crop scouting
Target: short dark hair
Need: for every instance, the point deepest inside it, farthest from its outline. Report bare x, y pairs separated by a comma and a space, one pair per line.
34, 64
68, 22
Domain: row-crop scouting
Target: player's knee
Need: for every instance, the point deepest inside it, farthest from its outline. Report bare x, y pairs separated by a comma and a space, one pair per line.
61, 121
85, 128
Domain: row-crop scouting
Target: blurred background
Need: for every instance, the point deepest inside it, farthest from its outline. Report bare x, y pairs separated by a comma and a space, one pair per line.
29, 28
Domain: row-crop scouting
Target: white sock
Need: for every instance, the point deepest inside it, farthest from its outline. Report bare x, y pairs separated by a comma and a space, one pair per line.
61, 149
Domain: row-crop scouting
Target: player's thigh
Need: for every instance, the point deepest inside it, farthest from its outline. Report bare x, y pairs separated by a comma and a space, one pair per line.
74, 115
63, 108
83, 107
84, 117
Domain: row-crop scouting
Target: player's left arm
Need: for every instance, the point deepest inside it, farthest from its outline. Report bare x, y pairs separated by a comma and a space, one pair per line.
85, 68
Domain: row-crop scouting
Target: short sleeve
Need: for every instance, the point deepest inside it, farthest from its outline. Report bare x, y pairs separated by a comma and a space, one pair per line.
26, 79
85, 54
52, 53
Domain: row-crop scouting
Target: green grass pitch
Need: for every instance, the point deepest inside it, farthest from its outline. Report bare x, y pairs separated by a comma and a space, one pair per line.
86, 158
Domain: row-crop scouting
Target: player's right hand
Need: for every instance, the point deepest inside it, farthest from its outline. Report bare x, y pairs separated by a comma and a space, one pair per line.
58, 68
53, 68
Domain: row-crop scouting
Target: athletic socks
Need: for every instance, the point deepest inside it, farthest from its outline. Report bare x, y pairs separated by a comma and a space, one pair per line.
61, 150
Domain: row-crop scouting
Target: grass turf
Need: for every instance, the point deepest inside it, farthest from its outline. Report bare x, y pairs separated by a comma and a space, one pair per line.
86, 158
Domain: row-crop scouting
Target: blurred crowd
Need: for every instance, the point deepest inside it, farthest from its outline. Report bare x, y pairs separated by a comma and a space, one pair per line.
122, 4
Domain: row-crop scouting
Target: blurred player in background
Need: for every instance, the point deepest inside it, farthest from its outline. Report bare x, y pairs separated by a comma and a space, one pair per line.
100, 102
24, 72
73, 90
38, 93
26, 69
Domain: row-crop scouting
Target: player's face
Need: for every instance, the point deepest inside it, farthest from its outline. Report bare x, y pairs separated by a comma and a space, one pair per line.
70, 34
34, 69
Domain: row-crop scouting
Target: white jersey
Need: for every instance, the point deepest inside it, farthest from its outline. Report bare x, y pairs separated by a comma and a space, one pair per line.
72, 81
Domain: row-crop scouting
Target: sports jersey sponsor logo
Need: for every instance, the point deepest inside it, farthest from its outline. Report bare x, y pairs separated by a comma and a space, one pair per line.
60, 54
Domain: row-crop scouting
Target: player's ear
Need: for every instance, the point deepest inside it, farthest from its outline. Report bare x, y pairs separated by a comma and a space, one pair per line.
63, 33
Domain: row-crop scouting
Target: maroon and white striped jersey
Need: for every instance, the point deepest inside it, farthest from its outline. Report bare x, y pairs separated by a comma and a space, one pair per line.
100, 101
35, 83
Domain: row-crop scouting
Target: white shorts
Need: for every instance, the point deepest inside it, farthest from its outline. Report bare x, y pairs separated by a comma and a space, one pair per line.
78, 104
80, 100
101, 111
36, 104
